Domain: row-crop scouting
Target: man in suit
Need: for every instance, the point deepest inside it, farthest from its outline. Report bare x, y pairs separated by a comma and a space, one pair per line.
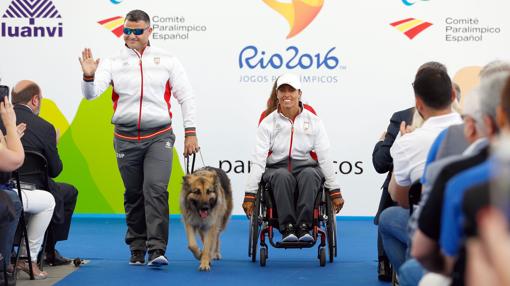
41, 136
383, 163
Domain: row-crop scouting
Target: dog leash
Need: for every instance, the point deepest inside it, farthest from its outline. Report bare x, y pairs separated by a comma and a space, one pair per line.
201, 158
186, 159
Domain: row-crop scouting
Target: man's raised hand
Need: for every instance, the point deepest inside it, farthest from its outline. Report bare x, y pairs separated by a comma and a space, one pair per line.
87, 62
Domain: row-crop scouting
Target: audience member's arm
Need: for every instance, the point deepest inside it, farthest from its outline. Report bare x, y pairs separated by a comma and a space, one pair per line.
398, 193
479, 269
400, 182
428, 253
11, 150
494, 246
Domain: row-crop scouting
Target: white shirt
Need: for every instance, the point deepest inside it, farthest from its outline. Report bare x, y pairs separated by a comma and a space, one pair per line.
283, 138
142, 87
409, 151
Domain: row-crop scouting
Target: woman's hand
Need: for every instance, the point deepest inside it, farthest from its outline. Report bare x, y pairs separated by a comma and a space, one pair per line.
338, 204
248, 208
336, 199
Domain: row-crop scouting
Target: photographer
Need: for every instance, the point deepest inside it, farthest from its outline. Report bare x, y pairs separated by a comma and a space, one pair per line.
11, 157
38, 203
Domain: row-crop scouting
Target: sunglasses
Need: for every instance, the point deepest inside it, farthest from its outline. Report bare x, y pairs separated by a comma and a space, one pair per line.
137, 32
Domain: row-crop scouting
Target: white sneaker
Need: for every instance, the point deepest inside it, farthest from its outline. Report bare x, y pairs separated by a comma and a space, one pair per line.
157, 259
306, 238
290, 238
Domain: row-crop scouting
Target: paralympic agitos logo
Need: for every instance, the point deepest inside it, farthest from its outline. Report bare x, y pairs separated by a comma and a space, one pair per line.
299, 13
32, 10
410, 2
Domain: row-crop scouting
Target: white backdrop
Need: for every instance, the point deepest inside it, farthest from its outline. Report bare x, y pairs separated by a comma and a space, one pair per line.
371, 81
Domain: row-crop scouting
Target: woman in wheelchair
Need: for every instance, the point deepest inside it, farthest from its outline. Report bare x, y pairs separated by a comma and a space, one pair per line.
291, 155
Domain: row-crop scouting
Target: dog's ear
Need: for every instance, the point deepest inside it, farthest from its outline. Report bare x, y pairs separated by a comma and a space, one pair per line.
212, 177
185, 180
216, 180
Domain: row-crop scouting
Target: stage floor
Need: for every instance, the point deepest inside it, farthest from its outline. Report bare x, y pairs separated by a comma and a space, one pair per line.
101, 240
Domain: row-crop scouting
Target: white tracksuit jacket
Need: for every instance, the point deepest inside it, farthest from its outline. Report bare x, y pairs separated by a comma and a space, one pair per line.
282, 139
142, 87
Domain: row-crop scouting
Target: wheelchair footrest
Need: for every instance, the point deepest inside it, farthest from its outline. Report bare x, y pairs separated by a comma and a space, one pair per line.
296, 244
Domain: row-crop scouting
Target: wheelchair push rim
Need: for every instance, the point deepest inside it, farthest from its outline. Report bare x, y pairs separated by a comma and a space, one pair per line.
254, 230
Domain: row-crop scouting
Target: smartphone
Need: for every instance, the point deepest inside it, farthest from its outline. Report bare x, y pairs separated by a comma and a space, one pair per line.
4, 91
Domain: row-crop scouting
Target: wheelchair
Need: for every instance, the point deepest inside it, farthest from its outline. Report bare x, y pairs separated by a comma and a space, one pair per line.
264, 221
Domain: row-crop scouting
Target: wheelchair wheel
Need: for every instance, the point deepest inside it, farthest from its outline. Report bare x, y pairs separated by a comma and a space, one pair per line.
322, 256
254, 230
331, 230
250, 240
263, 256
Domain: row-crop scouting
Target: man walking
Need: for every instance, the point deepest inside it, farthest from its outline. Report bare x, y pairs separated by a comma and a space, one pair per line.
143, 78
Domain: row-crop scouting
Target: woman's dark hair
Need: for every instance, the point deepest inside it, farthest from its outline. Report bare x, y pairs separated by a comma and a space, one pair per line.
272, 102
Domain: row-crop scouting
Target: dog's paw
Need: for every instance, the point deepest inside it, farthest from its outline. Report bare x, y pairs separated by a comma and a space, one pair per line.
205, 266
217, 256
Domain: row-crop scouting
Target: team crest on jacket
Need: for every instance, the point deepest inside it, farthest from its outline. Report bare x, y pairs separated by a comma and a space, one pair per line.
306, 125
157, 60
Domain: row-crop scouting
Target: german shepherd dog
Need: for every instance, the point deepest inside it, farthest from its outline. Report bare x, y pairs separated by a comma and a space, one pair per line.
206, 205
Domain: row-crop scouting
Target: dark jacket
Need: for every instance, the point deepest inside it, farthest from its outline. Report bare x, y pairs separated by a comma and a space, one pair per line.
41, 136
381, 158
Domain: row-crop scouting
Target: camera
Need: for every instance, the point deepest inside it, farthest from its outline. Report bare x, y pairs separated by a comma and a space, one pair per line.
4, 91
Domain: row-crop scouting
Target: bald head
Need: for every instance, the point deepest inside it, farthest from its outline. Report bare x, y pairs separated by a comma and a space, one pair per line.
23, 91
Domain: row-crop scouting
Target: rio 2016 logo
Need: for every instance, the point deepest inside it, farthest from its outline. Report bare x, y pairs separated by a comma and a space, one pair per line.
251, 58
299, 13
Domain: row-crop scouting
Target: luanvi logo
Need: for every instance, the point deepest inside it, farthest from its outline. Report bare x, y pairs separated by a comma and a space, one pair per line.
31, 10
